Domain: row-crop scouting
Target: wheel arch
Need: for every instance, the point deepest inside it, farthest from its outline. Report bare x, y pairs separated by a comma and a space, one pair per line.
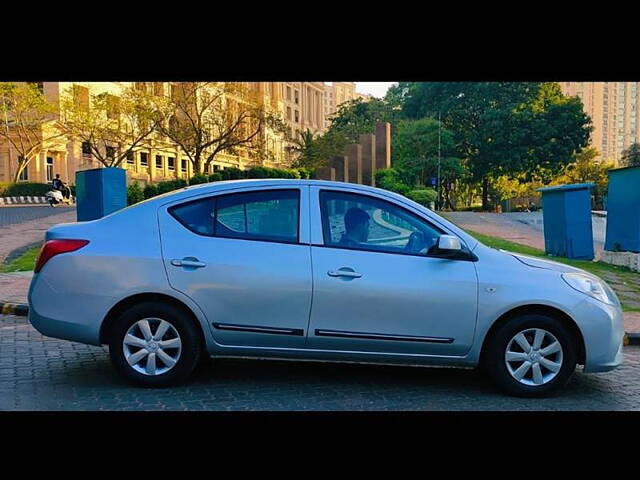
132, 300
547, 310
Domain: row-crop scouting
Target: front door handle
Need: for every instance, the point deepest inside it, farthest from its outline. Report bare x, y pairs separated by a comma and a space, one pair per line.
188, 262
344, 273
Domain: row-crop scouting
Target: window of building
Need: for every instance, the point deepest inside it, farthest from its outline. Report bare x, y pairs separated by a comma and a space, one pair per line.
38, 85
171, 163
158, 89
110, 153
130, 158
297, 98
159, 162
183, 166
288, 113
49, 169
297, 116
86, 149
361, 222
144, 159
289, 93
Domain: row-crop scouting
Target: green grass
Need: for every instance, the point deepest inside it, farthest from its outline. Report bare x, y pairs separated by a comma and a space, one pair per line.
24, 263
623, 276
596, 268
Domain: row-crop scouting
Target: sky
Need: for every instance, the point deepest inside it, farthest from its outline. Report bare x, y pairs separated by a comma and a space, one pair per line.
377, 89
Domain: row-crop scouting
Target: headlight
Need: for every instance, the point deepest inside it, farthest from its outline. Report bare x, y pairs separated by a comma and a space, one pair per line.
592, 286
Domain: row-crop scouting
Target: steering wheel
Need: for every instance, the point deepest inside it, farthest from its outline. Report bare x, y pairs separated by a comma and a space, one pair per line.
419, 242
416, 242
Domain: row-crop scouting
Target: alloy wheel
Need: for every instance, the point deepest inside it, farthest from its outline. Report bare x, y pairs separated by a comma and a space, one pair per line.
152, 346
534, 357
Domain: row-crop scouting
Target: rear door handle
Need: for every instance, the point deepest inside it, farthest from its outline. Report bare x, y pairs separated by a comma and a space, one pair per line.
344, 273
187, 262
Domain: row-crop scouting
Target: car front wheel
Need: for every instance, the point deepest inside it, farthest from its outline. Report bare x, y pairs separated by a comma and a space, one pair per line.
154, 345
531, 356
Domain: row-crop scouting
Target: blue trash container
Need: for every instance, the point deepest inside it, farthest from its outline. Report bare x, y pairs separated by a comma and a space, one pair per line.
623, 210
99, 192
567, 221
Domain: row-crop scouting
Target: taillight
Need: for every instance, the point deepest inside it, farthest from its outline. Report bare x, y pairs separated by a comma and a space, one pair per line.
54, 247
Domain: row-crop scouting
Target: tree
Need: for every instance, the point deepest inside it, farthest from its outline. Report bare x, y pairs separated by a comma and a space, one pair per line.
208, 118
416, 145
314, 151
357, 117
27, 122
585, 169
110, 126
631, 156
503, 128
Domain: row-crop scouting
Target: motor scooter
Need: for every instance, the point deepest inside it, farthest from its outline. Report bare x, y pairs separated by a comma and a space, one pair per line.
55, 197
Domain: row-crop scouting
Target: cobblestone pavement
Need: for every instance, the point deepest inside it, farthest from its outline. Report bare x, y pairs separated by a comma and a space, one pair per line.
40, 373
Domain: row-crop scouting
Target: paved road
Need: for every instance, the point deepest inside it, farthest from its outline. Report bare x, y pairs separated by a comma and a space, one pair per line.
39, 373
15, 215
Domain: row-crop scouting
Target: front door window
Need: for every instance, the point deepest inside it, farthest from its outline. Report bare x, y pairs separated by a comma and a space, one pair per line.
365, 223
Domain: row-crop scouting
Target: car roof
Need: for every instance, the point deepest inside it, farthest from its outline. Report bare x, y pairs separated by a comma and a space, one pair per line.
229, 184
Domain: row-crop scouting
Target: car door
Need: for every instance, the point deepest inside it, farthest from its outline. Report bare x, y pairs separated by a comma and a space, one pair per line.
385, 293
244, 257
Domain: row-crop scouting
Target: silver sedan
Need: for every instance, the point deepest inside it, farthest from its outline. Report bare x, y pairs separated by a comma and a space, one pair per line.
328, 271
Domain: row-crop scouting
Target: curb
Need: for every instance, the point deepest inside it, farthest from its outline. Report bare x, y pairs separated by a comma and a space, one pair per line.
22, 310
19, 309
28, 199
632, 339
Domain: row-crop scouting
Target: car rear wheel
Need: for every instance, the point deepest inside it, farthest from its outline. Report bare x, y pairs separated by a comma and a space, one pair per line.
531, 356
154, 345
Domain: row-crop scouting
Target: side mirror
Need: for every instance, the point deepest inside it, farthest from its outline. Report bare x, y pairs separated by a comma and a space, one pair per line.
449, 244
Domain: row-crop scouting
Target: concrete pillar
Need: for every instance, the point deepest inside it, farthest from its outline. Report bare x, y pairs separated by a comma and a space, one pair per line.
326, 173
40, 161
354, 152
152, 166
383, 145
341, 166
65, 160
368, 142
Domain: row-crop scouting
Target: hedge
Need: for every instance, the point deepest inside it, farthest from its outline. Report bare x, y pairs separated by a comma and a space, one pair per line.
389, 179
423, 196
136, 194
26, 188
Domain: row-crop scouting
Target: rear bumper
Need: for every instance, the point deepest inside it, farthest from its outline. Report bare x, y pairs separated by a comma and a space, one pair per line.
50, 327
64, 315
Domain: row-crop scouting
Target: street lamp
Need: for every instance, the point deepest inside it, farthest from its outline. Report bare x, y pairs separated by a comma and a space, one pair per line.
439, 134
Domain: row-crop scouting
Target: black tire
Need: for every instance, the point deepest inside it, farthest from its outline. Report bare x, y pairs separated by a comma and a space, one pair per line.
494, 359
191, 349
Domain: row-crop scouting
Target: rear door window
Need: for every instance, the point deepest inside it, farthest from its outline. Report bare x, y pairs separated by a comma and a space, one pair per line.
271, 215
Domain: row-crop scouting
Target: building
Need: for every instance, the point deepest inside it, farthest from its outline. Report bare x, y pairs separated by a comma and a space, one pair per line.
144, 165
302, 109
613, 108
336, 94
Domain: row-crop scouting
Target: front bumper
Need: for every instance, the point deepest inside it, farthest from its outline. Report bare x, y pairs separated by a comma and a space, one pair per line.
602, 328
